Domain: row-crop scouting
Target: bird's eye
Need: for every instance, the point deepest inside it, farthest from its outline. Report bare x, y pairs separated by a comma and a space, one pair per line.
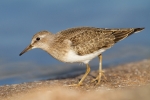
37, 38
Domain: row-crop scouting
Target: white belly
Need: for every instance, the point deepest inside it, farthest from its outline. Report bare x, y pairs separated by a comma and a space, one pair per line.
71, 56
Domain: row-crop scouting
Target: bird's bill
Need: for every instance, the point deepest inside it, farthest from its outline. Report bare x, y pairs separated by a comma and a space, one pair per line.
26, 49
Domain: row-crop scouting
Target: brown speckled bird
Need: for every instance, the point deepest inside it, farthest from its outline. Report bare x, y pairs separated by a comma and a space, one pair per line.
80, 44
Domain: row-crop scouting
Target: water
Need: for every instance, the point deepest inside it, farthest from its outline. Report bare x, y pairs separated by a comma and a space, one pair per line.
20, 20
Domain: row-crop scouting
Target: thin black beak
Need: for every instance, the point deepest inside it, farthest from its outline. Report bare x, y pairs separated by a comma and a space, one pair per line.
26, 49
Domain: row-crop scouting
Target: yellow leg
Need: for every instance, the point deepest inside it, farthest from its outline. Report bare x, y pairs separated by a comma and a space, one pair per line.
98, 78
84, 76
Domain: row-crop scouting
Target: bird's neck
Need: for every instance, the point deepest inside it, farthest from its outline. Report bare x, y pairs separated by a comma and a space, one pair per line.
55, 49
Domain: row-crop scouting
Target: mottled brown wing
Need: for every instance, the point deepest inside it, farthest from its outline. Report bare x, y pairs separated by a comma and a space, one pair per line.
86, 40
92, 40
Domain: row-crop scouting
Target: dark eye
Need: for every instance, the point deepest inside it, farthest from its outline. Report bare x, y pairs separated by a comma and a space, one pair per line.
37, 38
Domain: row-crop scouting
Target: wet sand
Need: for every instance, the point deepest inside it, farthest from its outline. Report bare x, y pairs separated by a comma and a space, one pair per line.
124, 82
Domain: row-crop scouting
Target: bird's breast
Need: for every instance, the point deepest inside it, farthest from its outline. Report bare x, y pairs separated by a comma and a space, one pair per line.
71, 56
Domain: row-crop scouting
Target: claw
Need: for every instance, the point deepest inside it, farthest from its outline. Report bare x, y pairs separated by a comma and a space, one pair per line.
98, 78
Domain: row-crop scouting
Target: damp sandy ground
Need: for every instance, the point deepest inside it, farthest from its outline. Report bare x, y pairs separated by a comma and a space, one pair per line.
125, 82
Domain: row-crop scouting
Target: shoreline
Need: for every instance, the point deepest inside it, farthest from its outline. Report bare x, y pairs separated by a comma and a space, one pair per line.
130, 76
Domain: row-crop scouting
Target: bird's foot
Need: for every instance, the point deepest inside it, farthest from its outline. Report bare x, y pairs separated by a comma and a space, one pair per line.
98, 78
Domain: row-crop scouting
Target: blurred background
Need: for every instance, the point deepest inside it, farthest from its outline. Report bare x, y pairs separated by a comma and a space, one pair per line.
20, 20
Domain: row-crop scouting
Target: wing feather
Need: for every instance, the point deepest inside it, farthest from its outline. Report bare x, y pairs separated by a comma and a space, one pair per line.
85, 40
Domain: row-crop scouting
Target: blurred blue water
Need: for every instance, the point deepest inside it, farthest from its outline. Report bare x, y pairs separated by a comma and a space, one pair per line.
20, 20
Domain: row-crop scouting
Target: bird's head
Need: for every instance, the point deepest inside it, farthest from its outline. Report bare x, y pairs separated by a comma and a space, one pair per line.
39, 40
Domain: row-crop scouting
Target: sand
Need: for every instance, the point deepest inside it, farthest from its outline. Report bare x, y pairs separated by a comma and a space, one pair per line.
124, 82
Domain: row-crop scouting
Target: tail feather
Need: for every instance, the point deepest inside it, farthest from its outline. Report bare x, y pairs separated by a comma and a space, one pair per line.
138, 29
123, 33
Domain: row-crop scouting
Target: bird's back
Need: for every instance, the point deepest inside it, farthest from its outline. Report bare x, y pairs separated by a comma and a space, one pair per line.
86, 40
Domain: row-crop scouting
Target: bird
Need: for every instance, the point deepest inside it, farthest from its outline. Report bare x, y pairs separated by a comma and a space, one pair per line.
80, 44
